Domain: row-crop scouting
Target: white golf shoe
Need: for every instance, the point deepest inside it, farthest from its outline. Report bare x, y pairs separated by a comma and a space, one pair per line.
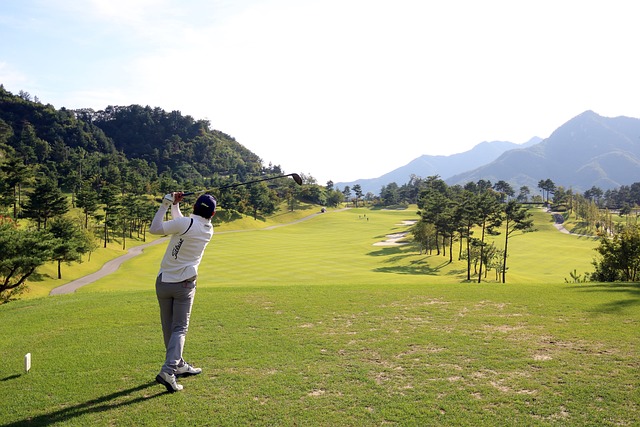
169, 381
187, 370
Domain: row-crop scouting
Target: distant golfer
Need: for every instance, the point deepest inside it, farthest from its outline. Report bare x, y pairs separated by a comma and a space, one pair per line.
176, 281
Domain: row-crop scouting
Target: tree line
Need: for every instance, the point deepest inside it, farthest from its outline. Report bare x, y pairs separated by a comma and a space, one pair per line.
624, 197
469, 215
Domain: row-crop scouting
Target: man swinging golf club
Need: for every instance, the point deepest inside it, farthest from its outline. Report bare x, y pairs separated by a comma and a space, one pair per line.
176, 281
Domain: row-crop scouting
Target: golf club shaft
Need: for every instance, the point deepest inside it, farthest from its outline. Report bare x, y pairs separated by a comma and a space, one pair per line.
295, 177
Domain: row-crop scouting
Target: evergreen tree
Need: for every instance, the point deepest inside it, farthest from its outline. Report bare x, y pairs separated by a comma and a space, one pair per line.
433, 203
46, 201
87, 200
516, 218
347, 193
523, 194
469, 205
23, 251
424, 234
70, 242
15, 174
389, 194
109, 196
334, 198
505, 190
259, 200
488, 219
357, 189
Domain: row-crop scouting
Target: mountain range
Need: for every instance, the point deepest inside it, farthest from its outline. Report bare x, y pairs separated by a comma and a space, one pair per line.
588, 150
444, 166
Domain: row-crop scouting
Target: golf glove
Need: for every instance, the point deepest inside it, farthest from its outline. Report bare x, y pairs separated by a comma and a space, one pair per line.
167, 200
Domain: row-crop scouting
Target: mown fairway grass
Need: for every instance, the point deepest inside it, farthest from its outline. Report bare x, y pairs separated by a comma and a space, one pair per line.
310, 324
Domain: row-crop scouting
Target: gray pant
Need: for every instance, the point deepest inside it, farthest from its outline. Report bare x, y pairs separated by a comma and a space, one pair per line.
176, 300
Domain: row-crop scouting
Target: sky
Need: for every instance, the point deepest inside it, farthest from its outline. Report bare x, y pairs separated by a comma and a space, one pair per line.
337, 90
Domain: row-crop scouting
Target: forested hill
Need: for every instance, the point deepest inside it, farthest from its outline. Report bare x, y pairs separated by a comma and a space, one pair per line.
173, 141
154, 142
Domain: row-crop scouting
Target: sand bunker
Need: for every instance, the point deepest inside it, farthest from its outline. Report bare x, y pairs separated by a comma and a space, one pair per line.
394, 239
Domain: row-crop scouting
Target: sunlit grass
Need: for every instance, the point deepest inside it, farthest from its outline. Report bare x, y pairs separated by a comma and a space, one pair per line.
344, 354
339, 246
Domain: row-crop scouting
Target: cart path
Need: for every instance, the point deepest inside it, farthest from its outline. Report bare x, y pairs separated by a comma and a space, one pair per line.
558, 223
112, 265
108, 268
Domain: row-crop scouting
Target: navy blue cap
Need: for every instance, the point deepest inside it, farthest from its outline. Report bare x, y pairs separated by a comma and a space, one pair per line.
205, 206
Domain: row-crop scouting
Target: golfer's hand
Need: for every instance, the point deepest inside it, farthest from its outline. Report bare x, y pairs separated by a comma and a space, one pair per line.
168, 199
177, 197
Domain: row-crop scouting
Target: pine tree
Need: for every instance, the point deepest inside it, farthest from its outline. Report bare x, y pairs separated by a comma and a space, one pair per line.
516, 218
45, 202
23, 251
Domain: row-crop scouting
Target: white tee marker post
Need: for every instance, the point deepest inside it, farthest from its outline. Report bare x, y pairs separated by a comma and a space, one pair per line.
27, 362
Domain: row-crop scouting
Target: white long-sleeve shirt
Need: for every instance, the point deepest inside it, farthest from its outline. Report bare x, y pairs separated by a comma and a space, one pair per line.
189, 238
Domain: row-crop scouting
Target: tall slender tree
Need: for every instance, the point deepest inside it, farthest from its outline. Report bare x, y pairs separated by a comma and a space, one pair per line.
489, 218
516, 218
87, 201
357, 189
469, 205
109, 196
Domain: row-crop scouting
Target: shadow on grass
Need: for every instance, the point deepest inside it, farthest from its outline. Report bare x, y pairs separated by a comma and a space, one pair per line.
420, 266
410, 269
631, 292
583, 230
396, 254
101, 404
399, 252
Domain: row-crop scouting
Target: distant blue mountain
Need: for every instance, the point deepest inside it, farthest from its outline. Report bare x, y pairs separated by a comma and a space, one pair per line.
588, 150
444, 166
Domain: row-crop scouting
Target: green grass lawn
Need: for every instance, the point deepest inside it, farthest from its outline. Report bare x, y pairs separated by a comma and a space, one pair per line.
338, 247
311, 324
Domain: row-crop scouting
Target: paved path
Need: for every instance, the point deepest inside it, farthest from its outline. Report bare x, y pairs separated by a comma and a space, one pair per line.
108, 268
113, 265
558, 221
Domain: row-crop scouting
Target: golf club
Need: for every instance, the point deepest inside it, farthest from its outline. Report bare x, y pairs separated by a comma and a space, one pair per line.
295, 177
